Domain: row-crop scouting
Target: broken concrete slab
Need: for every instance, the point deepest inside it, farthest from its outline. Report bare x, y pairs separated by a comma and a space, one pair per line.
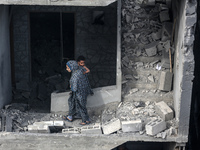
111, 126
164, 16
132, 126
165, 81
155, 126
156, 35
166, 31
151, 49
164, 111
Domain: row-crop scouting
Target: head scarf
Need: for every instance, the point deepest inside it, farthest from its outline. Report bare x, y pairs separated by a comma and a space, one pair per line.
73, 65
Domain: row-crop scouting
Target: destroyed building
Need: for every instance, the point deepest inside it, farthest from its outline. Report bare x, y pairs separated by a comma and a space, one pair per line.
143, 57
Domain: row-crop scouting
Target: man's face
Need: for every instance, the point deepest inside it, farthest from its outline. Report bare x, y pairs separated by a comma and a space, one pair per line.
81, 63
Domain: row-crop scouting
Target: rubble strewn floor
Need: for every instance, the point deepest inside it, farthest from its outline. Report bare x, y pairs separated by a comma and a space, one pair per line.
23, 120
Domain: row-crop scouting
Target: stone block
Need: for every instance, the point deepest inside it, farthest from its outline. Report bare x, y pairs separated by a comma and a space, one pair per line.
155, 126
151, 49
191, 20
111, 126
165, 81
165, 63
43, 129
164, 16
48, 123
96, 129
33, 128
38, 128
132, 126
191, 8
71, 131
8, 125
58, 123
164, 111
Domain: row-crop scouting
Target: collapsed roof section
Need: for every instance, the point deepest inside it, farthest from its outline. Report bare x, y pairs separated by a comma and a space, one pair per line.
59, 2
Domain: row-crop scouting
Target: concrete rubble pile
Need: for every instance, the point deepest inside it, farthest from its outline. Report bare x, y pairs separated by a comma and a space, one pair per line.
138, 118
146, 40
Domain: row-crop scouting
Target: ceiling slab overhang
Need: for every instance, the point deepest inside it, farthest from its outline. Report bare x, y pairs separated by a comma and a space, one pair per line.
58, 2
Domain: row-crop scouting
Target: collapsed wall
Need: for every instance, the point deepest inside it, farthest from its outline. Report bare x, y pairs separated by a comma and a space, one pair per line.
147, 53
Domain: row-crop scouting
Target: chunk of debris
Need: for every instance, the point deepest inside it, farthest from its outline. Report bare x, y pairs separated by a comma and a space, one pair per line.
111, 126
155, 126
132, 126
96, 129
165, 81
151, 78
164, 16
151, 49
164, 111
134, 90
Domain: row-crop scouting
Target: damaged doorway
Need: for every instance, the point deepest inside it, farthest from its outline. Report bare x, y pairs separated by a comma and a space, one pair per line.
52, 41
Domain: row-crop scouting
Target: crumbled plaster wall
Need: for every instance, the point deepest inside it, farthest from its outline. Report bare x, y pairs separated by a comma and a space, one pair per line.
96, 42
5, 75
184, 61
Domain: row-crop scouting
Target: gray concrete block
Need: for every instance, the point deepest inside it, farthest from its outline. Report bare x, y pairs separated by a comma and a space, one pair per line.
8, 125
132, 126
71, 131
38, 128
43, 129
111, 126
164, 111
155, 126
164, 16
151, 49
58, 123
48, 123
33, 128
191, 20
96, 129
165, 81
